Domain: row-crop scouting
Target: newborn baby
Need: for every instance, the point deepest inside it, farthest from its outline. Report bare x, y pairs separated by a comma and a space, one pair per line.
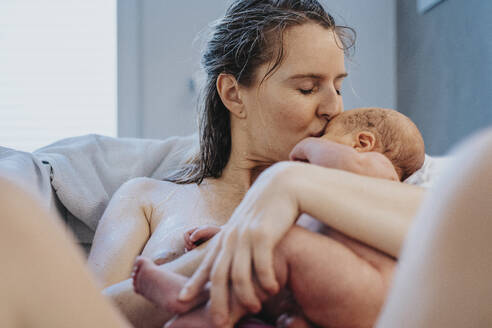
385, 131
375, 142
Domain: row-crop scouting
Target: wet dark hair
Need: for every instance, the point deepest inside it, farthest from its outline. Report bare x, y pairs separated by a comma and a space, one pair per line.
249, 35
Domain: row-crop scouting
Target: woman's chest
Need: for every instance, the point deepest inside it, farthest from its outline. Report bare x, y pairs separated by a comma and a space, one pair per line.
171, 220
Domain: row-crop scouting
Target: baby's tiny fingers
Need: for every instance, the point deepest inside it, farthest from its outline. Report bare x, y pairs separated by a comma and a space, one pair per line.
204, 234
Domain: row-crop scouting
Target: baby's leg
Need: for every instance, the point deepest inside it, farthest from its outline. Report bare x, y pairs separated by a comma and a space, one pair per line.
444, 279
43, 280
337, 282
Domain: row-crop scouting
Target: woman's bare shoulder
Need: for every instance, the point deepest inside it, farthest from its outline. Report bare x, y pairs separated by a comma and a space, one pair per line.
143, 187
148, 193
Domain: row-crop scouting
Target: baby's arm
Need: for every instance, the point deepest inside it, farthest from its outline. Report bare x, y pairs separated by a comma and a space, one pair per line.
333, 155
374, 165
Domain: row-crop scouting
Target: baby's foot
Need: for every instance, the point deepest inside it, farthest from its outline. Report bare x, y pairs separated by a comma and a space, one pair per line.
196, 236
162, 287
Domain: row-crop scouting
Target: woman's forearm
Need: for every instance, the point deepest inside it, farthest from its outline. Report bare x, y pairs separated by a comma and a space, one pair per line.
375, 211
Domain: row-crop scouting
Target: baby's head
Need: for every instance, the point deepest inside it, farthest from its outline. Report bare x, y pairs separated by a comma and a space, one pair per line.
382, 130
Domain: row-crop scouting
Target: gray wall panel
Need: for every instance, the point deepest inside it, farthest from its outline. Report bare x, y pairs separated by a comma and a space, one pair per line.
445, 69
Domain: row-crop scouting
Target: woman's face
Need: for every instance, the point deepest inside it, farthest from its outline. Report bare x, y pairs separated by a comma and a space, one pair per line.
300, 97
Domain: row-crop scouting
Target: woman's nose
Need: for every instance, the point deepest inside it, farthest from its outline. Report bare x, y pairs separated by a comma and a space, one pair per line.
330, 106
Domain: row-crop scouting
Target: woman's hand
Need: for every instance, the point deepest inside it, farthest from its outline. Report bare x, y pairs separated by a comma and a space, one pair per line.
260, 221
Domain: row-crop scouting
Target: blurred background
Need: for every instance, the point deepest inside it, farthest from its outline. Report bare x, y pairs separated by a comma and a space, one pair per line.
130, 68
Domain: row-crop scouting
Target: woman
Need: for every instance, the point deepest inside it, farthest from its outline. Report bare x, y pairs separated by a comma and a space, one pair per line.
274, 74
274, 69
443, 281
444, 275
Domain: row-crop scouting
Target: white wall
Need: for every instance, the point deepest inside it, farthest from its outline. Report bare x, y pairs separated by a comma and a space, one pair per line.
154, 96
57, 70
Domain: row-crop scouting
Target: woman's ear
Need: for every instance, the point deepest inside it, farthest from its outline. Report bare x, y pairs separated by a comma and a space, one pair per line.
228, 90
365, 141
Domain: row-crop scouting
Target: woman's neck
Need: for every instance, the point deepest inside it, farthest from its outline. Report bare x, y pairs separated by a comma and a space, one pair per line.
241, 171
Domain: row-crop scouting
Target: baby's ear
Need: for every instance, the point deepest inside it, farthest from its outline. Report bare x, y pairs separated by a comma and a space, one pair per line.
365, 141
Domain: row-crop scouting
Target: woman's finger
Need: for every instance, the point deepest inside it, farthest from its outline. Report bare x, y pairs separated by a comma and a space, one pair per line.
195, 284
241, 277
219, 293
263, 262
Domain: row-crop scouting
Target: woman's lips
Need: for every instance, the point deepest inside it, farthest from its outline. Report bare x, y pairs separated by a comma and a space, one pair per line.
320, 133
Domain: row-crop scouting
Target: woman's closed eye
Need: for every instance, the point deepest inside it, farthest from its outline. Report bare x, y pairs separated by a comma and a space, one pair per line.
310, 91
306, 91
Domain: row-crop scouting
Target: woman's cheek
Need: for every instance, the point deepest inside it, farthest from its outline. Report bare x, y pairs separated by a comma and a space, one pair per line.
304, 112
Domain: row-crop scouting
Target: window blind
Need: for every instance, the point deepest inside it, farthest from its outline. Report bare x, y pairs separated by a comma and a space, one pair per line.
57, 70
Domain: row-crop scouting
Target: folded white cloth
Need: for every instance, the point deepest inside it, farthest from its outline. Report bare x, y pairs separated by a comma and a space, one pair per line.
87, 170
29, 172
428, 173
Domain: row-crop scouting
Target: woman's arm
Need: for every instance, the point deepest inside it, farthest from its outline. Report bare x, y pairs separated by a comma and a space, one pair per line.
122, 232
375, 211
121, 235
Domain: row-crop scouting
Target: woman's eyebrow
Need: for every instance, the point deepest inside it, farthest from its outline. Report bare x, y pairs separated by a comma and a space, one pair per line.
341, 76
316, 76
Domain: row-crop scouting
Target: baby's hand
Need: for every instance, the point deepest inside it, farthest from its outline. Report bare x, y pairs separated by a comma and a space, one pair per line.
196, 236
324, 153
333, 155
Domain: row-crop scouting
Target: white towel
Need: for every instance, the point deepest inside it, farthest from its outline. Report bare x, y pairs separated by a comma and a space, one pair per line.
428, 173
87, 170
